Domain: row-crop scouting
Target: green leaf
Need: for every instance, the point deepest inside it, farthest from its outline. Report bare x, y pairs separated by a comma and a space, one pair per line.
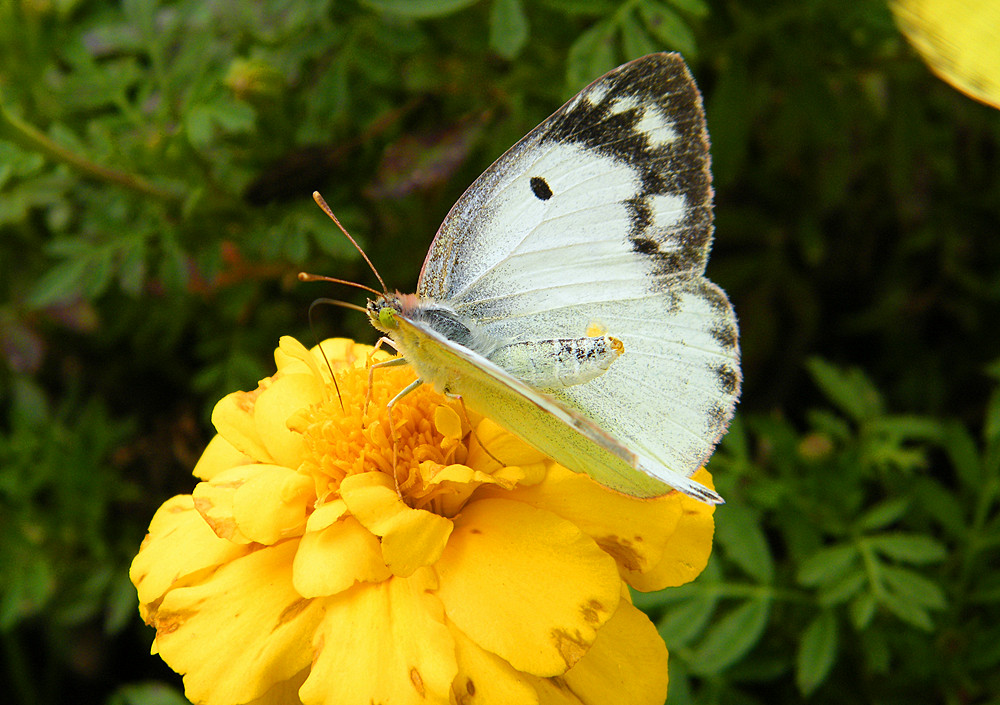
683, 621
817, 652
964, 454
635, 41
909, 548
64, 282
418, 9
883, 514
508, 28
843, 589
827, 564
738, 531
147, 694
592, 55
692, 7
913, 587
669, 27
850, 390
731, 638
226, 116
861, 610
908, 612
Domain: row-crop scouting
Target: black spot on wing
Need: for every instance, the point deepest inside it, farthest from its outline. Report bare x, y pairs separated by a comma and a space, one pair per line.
540, 188
645, 246
606, 117
728, 378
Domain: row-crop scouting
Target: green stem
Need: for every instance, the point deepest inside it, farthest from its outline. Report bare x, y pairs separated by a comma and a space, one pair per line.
32, 138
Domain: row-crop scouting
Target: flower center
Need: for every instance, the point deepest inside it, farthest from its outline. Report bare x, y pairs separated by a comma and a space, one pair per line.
423, 435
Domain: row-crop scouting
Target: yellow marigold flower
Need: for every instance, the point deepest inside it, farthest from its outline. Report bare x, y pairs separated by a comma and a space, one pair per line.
301, 569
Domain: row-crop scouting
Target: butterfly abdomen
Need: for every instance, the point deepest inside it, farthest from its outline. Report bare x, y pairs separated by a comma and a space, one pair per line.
560, 362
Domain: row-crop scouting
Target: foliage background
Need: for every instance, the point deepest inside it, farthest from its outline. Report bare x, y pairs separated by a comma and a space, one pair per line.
156, 160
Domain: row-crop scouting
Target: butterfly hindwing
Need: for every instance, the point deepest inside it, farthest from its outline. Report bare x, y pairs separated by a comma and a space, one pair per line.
565, 435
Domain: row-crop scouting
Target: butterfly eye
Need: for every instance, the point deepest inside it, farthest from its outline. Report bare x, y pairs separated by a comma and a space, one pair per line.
387, 317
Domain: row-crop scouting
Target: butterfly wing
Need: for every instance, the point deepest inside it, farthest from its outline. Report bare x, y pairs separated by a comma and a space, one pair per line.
562, 433
601, 218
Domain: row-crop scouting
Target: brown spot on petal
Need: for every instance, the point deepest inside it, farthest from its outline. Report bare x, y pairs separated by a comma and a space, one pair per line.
592, 612
292, 611
475, 531
418, 681
571, 647
559, 682
465, 696
621, 550
170, 622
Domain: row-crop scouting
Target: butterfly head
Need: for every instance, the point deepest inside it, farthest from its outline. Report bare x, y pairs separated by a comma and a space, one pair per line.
382, 312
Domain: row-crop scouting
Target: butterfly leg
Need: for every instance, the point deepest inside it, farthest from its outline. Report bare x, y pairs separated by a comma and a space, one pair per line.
465, 411
385, 363
392, 425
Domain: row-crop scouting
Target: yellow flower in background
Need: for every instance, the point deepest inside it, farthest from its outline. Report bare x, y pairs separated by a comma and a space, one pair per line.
959, 40
304, 569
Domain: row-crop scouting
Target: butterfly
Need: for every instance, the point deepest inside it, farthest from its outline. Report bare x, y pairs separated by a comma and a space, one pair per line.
563, 296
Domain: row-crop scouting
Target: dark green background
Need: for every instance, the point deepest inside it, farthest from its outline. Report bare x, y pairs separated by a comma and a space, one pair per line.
156, 160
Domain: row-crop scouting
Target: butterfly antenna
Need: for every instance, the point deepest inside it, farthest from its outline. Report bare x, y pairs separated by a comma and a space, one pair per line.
326, 209
312, 327
307, 277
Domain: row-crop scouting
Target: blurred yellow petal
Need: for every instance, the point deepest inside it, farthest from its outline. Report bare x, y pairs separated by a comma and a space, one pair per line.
688, 548
383, 643
272, 503
333, 558
219, 455
233, 419
180, 548
275, 405
485, 678
633, 531
240, 631
526, 584
411, 538
959, 40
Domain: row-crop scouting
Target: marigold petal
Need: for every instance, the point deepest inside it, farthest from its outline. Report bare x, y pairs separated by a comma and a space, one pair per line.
486, 679
333, 558
272, 503
526, 584
554, 691
633, 531
240, 632
326, 514
179, 548
219, 455
214, 501
411, 538
503, 446
233, 419
627, 665
287, 394
447, 422
383, 643
688, 548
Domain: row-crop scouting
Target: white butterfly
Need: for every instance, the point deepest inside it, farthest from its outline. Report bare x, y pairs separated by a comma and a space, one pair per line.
563, 295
